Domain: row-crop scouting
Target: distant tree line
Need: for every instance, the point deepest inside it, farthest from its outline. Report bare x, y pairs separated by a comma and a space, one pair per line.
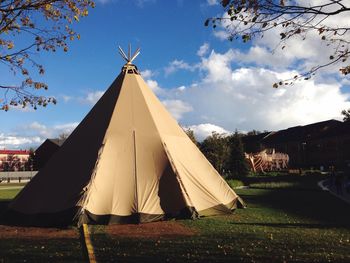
224, 152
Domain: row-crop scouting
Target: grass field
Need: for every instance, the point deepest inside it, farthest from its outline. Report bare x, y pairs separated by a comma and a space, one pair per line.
293, 224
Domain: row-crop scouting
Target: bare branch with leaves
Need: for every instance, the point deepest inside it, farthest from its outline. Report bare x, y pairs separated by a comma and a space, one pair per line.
249, 19
29, 26
346, 115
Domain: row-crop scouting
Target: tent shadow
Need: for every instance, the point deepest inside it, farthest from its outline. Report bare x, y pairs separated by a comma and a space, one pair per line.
319, 207
11, 218
291, 225
3, 210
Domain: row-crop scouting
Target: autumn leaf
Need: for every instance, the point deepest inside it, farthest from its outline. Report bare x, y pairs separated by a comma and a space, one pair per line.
245, 38
224, 3
10, 45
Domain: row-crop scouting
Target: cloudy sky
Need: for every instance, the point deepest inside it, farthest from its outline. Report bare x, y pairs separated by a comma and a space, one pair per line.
207, 82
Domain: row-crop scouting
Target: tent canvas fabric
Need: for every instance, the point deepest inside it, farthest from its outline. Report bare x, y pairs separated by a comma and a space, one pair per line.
128, 161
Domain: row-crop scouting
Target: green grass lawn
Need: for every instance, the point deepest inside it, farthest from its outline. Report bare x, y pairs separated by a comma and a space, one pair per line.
279, 225
25, 248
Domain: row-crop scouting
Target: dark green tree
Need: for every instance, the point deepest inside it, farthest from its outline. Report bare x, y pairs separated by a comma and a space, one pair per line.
11, 163
253, 132
191, 135
30, 163
236, 164
346, 115
215, 149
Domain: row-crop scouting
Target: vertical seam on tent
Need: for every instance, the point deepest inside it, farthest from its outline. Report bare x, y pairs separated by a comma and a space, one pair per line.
178, 176
86, 195
134, 142
135, 172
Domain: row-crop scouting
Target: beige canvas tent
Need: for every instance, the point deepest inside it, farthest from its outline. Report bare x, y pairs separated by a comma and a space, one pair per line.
127, 161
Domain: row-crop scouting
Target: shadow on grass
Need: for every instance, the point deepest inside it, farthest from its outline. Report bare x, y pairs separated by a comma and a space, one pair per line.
31, 247
291, 225
40, 250
3, 208
307, 182
318, 206
3, 205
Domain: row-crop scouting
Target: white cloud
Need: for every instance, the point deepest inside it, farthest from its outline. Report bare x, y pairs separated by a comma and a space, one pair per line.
201, 131
63, 128
221, 34
181, 88
212, 2
177, 108
138, 3
146, 74
243, 98
154, 87
152, 84
17, 142
301, 52
217, 66
175, 65
345, 82
92, 97
66, 98
103, 2
203, 49
33, 134
141, 3
45, 131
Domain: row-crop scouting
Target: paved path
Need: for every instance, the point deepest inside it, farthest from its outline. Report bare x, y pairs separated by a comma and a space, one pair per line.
342, 193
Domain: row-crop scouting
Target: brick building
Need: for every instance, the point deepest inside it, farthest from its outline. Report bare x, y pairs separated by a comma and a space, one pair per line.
316, 145
13, 160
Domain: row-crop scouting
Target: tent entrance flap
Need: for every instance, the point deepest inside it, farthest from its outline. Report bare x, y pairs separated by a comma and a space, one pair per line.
185, 195
203, 188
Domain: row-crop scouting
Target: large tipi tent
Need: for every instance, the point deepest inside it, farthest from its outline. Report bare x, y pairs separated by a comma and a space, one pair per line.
127, 161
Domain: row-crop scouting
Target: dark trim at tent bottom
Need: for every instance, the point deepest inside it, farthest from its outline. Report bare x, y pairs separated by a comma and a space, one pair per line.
69, 216
137, 218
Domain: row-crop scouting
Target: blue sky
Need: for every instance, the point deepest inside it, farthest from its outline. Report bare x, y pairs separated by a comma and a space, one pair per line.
205, 81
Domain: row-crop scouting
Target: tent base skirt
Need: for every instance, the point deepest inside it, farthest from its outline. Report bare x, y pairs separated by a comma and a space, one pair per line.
137, 218
74, 216
92, 219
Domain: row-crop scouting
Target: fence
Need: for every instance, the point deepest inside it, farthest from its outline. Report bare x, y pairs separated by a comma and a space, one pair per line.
12, 177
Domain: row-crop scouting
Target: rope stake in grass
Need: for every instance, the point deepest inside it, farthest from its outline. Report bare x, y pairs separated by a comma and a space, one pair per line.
88, 244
